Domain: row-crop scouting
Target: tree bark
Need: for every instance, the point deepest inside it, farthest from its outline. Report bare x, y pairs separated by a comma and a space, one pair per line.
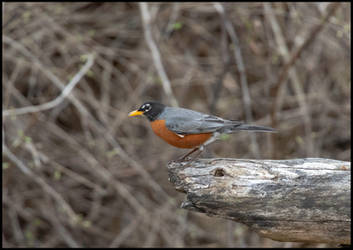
305, 200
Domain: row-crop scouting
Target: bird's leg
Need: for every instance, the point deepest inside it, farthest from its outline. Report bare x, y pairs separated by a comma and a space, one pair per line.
189, 153
201, 148
212, 139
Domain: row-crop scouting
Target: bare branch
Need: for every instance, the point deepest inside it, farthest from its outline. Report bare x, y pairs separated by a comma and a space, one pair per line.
108, 137
46, 187
284, 51
243, 79
304, 200
312, 34
146, 19
66, 91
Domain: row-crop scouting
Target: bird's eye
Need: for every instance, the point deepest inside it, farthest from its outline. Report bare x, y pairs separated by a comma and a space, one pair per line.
147, 107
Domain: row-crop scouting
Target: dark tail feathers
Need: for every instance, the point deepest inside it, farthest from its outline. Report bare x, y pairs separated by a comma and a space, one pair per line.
248, 127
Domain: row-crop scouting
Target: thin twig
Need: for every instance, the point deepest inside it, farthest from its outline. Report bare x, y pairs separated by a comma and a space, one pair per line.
226, 65
66, 91
146, 20
46, 187
16, 228
241, 68
312, 34
120, 187
102, 130
129, 229
297, 86
172, 19
55, 80
57, 225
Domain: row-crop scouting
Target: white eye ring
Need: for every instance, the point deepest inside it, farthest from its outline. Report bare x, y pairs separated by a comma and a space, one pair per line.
147, 107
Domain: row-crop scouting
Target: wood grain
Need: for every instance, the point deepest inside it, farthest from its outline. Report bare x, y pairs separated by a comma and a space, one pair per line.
305, 200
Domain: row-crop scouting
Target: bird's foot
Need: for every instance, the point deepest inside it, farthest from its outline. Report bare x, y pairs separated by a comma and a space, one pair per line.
187, 158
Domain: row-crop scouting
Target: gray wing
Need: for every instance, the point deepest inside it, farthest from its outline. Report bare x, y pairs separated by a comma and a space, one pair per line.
186, 121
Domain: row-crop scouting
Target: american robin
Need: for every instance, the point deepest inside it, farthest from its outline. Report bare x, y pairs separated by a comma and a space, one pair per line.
185, 128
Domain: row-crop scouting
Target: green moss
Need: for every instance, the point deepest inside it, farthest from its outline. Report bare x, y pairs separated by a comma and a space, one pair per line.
57, 175
177, 26
111, 153
5, 165
86, 223
224, 137
28, 139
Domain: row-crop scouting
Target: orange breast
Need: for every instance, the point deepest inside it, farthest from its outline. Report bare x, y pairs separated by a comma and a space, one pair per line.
188, 141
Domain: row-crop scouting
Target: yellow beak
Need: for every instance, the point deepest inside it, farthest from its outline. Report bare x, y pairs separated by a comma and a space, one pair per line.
135, 112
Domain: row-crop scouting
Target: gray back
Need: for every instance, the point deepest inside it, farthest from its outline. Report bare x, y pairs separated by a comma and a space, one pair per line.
186, 121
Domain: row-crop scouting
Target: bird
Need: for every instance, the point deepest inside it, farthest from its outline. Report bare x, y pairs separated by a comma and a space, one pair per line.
186, 128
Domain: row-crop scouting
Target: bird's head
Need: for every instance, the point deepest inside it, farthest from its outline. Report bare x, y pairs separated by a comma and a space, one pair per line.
149, 109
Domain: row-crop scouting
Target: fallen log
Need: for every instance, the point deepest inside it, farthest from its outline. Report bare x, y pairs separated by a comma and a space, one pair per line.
303, 200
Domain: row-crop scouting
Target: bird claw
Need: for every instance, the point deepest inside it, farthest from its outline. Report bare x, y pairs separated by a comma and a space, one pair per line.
187, 158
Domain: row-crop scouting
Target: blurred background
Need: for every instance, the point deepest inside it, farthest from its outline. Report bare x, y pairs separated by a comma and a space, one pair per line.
79, 172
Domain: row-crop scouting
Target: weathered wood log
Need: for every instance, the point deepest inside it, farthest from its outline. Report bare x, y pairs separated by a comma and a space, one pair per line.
305, 200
